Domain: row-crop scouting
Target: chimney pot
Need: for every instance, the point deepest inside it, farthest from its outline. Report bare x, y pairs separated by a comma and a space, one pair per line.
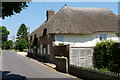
49, 14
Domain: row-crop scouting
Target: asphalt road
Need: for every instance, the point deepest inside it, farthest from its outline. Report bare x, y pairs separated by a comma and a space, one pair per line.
17, 66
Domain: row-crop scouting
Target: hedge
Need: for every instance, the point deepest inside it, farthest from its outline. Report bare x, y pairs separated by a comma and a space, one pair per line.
107, 55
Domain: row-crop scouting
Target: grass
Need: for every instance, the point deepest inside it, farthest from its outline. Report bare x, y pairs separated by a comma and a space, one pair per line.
25, 50
102, 69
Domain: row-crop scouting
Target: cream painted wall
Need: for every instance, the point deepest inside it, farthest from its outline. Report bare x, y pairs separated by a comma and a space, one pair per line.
119, 39
83, 40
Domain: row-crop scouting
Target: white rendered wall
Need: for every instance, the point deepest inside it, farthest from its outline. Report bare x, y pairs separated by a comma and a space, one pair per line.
84, 40
118, 38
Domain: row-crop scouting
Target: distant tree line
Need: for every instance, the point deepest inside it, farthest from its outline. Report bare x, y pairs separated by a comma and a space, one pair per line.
21, 42
4, 42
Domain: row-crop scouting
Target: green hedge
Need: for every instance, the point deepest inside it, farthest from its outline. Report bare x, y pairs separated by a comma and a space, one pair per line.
107, 55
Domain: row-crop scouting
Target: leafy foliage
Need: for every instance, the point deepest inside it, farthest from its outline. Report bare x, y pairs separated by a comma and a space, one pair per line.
34, 44
107, 55
8, 45
21, 42
4, 33
61, 44
10, 8
22, 32
3, 36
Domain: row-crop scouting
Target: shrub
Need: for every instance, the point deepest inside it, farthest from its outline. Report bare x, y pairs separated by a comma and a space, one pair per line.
43, 58
107, 55
21, 44
61, 44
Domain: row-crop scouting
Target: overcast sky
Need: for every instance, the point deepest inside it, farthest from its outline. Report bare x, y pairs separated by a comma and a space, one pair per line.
34, 15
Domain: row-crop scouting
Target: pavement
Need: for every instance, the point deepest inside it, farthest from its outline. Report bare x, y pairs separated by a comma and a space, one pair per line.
0, 64
22, 53
17, 66
48, 64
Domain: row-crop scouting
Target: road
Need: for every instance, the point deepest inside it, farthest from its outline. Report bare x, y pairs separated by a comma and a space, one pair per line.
17, 66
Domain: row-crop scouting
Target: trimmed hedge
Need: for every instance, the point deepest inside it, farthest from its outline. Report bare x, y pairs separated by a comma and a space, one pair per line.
107, 55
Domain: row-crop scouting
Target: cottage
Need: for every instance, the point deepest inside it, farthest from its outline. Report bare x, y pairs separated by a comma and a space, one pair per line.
78, 27
118, 28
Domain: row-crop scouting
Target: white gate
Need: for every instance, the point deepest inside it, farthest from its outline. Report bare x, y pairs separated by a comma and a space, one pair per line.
81, 56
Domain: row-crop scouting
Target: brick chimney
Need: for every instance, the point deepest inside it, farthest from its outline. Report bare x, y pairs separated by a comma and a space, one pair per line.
49, 14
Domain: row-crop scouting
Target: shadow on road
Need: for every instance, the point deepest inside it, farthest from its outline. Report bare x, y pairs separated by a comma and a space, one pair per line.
7, 75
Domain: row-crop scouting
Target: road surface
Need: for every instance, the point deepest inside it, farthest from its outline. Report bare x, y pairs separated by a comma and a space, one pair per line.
16, 66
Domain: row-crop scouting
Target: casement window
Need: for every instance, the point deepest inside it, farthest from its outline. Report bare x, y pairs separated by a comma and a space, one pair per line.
44, 50
103, 37
59, 38
48, 48
44, 31
48, 36
41, 50
38, 50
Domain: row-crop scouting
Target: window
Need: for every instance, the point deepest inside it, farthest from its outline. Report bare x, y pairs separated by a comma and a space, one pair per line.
45, 31
59, 38
48, 36
38, 50
48, 48
103, 37
41, 50
44, 50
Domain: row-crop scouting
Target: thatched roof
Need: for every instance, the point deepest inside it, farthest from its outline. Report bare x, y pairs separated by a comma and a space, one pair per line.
119, 24
73, 20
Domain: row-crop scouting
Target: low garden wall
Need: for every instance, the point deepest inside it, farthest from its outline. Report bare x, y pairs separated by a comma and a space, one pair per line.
61, 64
90, 74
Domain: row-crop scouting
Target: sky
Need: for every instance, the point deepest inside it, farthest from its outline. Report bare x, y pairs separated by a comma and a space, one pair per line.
35, 14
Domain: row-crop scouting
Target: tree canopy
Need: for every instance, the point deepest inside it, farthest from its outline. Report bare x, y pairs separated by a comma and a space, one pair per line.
22, 32
4, 38
8, 45
11, 8
4, 33
21, 42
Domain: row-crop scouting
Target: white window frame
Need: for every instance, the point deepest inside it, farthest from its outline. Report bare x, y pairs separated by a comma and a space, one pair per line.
48, 36
41, 50
48, 48
44, 50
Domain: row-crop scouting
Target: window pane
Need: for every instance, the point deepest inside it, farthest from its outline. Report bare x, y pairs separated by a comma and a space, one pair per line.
60, 38
48, 48
103, 36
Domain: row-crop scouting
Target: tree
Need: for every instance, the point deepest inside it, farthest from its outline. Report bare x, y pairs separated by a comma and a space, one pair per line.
22, 33
4, 34
8, 44
11, 8
21, 44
